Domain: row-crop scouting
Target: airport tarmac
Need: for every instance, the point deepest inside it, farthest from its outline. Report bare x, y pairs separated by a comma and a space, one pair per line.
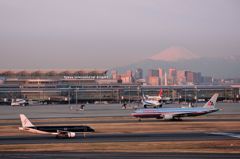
127, 137
91, 110
213, 136
116, 155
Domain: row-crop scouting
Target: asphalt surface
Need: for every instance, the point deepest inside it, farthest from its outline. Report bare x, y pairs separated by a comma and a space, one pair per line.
91, 110
116, 155
104, 138
111, 110
189, 120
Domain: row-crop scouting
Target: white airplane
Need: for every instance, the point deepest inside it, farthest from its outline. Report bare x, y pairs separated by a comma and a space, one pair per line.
165, 100
152, 101
58, 131
177, 113
19, 102
158, 97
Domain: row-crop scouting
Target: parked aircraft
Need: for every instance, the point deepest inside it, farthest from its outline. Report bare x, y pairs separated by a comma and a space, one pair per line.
152, 101
58, 131
158, 97
177, 113
19, 102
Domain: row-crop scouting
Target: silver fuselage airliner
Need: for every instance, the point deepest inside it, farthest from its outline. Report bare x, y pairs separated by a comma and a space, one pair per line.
177, 113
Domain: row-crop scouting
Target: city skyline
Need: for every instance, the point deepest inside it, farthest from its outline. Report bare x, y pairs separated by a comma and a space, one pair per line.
165, 77
106, 34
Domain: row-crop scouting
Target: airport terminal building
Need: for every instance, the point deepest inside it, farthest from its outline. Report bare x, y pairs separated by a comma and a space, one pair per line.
62, 86
94, 86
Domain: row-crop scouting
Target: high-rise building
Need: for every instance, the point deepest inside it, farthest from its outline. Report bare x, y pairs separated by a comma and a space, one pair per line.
207, 80
114, 74
181, 77
161, 76
129, 73
153, 81
138, 73
152, 72
172, 76
165, 79
199, 78
189, 77
153, 77
127, 77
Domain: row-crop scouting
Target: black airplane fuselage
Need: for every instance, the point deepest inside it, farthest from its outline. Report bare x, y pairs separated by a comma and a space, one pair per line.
53, 129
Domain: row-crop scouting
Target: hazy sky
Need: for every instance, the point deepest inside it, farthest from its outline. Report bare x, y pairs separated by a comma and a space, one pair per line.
109, 33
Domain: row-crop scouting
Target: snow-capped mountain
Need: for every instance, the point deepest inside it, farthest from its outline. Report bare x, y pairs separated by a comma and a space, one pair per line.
183, 59
174, 54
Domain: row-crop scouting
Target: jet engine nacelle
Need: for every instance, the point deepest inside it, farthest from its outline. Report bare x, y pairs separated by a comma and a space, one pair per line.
66, 135
71, 134
168, 117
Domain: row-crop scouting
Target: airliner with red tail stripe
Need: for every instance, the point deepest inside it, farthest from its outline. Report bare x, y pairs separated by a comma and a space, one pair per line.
177, 113
152, 101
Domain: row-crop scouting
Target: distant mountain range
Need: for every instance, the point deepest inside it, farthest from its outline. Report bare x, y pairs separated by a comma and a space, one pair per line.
183, 59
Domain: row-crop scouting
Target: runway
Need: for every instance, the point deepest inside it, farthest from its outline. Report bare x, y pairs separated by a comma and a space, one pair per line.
128, 137
116, 155
115, 127
91, 110
130, 120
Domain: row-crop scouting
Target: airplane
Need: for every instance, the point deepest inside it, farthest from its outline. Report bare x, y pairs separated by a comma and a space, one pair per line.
152, 101
19, 102
58, 131
158, 97
177, 113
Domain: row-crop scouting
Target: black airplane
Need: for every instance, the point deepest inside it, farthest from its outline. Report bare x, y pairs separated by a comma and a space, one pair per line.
58, 131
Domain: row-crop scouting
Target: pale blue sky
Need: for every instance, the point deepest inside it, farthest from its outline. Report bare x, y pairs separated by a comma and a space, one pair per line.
109, 33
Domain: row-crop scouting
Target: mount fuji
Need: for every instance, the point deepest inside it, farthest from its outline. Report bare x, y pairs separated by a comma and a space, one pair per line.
183, 59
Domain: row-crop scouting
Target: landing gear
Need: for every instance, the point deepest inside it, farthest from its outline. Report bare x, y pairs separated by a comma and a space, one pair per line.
177, 119
82, 107
124, 106
139, 119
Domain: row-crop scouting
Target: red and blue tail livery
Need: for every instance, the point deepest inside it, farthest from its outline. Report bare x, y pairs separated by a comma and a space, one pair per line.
177, 113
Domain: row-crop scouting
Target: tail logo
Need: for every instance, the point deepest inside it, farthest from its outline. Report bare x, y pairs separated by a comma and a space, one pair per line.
25, 121
160, 92
210, 103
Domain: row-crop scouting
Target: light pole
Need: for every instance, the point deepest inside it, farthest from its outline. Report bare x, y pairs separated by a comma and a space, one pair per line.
179, 97
196, 95
129, 95
138, 88
118, 96
185, 95
100, 97
76, 96
69, 100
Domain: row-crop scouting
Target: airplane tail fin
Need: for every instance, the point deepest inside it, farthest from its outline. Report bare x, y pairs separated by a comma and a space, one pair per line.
25, 121
160, 93
212, 101
143, 96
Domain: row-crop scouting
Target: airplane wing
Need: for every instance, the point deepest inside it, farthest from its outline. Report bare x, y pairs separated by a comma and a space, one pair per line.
169, 116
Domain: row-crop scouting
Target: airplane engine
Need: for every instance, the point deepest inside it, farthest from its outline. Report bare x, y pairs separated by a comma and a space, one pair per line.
66, 135
168, 117
71, 134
